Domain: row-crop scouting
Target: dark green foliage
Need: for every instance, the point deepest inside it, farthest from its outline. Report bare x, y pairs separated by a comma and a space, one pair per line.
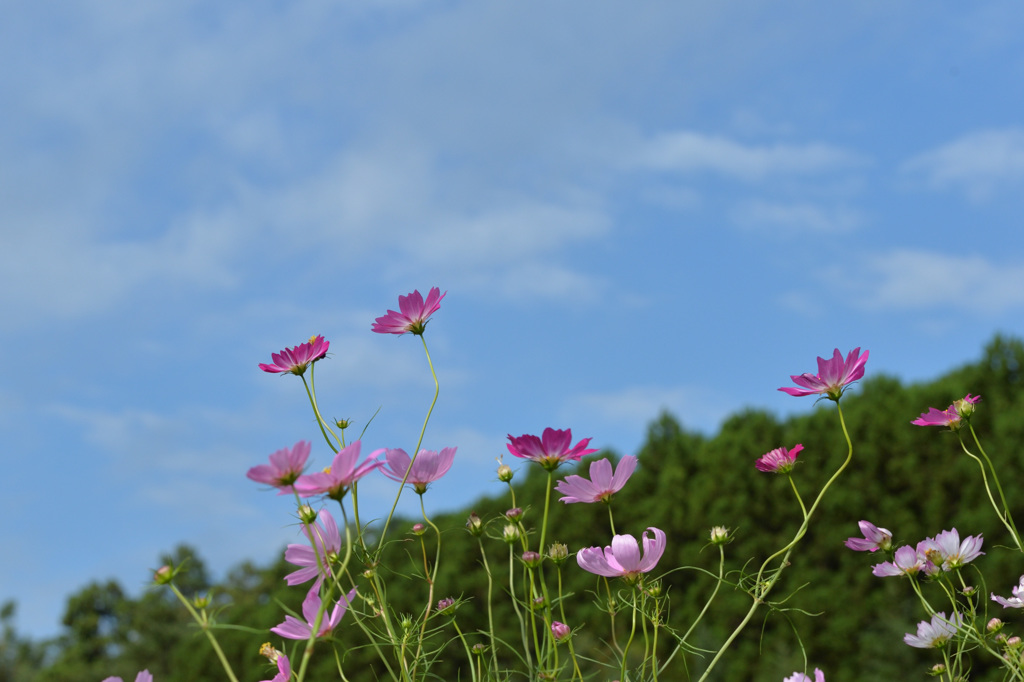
915, 481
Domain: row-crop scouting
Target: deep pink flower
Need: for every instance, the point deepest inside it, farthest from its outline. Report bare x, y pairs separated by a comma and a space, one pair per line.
622, 558
339, 477
285, 467
414, 315
550, 450
779, 460
946, 550
936, 633
143, 676
833, 375
1014, 602
802, 677
293, 628
427, 467
325, 536
951, 416
875, 538
296, 360
602, 484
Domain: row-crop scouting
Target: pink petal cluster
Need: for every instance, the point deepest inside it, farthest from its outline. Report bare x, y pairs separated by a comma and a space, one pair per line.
1014, 602
906, 561
415, 312
951, 416
779, 460
143, 676
875, 538
285, 467
551, 450
833, 375
602, 484
936, 633
325, 536
622, 559
944, 552
339, 477
424, 470
293, 628
802, 677
296, 360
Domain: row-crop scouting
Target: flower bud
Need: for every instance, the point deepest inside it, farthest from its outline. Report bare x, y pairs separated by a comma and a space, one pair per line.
505, 473
163, 575
407, 622
510, 533
654, 589
532, 559
965, 406
479, 649
343, 423
969, 590
937, 669
445, 604
475, 525
201, 602
994, 625
418, 529
538, 603
514, 514
560, 631
307, 514
1013, 642
558, 553
720, 535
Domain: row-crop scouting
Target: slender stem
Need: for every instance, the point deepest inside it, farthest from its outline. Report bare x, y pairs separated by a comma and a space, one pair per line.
625, 650
490, 609
204, 625
707, 605
611, 520
324, 428
431, 577
469, 653
1005, 517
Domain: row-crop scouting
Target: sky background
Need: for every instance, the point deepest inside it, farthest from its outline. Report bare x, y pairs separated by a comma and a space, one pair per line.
632, 206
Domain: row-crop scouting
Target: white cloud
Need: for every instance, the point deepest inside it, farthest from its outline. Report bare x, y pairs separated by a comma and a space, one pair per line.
979, 163
796, 218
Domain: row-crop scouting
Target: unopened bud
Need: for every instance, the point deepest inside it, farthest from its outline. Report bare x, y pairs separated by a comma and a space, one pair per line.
201, 602
994, 625
475, 525
505, 473
479, 649
307, 514
445, 604
720, 535
560, 631
532, 559
163, 575
510, 533
418, 529
558, 553
343, 423
514, 514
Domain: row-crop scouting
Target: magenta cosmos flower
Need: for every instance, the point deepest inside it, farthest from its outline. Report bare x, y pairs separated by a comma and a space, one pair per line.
1014, 602
779, 460
427, 468
622, 558
293, 628
323, 534
936, 633
296, 360
551, 449
602, 484
833, 375
285, 467
803, 677
339, 477
143, 676
951, 416
413, 316
875, 538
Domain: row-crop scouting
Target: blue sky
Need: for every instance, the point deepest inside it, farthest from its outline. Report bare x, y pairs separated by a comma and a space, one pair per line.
632, 207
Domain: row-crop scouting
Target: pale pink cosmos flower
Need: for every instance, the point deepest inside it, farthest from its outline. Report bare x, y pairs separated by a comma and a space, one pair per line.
339, 477
143, 676
551, 450
296, 360
602, 484
906, 561
415, 312
622, 558
946, 550
325, 536
293, 628
779, 460
875, 538
936, 633
833, 375
1014, 602
284, 670
425, 469
285, 467
803, 677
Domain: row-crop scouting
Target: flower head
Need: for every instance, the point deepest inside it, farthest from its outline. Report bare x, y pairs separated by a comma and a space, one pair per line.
946, 550
875, 538
622, 558
1014, 602
779, 460
833, 375
293, 628
339, 477
296, 360
425, 469
553, 448
143, 676
936, 633
415, 312
906, 561
952, 416
803, 677
602, 484
323, 534
285, 467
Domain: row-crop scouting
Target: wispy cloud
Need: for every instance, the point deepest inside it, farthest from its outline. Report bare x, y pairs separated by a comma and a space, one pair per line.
979, 163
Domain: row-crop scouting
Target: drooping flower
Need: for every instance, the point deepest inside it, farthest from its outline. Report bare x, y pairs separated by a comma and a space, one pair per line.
622, 558
949, 552
936, 633
415, 312
324, 535
602, 484
803, 677
296, 360
906, 561
779, 460
293, 628
875, 538
339, 477
143, 676
425, 469
1014, 602
553, 448
952, 416
833, 375
285, 467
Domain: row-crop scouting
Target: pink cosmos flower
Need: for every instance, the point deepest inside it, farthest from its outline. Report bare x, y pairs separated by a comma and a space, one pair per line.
622, 558
833, 375
339, 477
936, 633
550, 450
414, 315
284, 667
1014, 602
285, 467
906, 561
293, 628
602, 484
802, 677
951, 416
779, 460
143, 676
296, 360
875, 538
323, 533
946, 550
425, 469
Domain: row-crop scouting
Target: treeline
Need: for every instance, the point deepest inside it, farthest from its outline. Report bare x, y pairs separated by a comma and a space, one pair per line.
914, 481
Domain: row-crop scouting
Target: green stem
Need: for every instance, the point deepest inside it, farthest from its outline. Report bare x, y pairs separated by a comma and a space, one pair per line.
490, 609
1005, 516
324, 428
707, 605
204, 625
